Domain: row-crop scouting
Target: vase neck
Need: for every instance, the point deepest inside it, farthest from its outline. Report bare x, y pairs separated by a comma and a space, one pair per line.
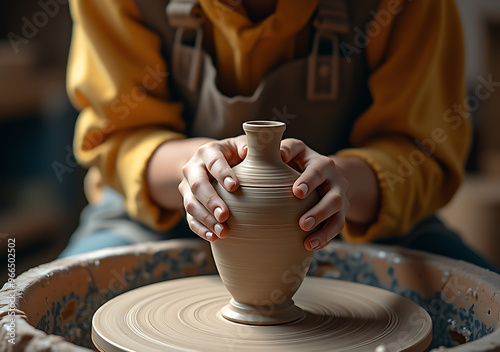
263, 166
264, 142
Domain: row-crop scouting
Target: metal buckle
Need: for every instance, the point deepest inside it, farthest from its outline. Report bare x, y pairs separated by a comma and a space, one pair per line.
323, 70
183, 13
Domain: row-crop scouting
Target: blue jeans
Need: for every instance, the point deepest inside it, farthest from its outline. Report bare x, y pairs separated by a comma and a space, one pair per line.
432, 236
107, 225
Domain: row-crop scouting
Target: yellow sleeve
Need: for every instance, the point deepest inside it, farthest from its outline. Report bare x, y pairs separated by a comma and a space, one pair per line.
416, 133
118, 79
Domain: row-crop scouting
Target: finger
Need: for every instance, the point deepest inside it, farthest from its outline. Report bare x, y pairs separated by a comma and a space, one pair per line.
317, 171
291, 148
330, 204
219, 161
322, 237
192, 206
199, 229
242, 147
200, 213
215, 159
198, 183
243, 151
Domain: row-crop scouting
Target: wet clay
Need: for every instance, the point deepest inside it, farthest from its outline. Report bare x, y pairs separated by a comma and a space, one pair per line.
263, 258
184, 314
262, 263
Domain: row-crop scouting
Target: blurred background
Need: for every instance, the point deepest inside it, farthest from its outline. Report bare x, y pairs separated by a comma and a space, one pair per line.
40, 184
41, 187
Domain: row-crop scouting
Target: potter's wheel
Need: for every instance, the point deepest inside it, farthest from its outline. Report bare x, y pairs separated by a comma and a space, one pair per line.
184, 315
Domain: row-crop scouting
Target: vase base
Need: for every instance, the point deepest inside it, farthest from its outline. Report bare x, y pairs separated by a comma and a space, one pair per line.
272, 314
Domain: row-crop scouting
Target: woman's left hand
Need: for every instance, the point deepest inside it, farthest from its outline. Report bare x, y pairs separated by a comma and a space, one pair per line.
319, 173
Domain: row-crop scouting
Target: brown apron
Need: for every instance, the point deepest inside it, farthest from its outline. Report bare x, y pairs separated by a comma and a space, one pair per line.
318, 97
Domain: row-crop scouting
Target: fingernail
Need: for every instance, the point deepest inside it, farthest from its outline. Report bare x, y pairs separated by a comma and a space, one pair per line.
229, 183
218, 213
284, 151
303, 187
210, 236
314, 243
309, 222
218, 229
245, 147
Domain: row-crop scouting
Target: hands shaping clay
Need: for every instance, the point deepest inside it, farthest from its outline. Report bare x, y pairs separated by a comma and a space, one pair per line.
262, 263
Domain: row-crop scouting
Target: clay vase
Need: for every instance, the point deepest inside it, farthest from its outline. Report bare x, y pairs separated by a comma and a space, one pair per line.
262, 262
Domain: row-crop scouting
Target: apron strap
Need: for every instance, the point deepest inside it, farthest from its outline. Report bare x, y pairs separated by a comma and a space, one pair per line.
186, 15
331, 20
332, 15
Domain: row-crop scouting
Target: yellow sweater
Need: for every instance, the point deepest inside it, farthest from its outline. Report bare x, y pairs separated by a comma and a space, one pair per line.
410, 136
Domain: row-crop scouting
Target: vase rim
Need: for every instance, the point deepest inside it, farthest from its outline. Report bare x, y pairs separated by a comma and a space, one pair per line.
260, 124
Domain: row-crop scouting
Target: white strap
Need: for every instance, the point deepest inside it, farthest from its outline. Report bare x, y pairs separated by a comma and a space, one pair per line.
186, 15
193, 78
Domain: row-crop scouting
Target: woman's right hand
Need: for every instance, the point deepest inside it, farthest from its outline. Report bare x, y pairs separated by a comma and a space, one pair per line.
206, 212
